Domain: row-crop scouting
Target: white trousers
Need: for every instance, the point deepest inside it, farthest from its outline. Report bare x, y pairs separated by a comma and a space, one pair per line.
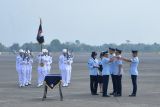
22, 74
19, 75
28, 74
64, 74
48, 69
42, 72
69, 75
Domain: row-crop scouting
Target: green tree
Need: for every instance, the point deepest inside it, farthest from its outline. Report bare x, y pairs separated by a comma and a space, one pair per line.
55, 45
2, 48
14, 47
77, 42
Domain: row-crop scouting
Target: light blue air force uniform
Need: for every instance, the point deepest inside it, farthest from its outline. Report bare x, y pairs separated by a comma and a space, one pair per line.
91, 63
112, 64
134, 66
116, 67
106, 66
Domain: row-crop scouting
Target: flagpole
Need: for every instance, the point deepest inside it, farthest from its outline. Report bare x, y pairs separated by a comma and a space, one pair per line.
41, 47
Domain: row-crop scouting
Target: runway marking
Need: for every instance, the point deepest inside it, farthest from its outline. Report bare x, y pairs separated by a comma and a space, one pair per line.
2, 101
156, 92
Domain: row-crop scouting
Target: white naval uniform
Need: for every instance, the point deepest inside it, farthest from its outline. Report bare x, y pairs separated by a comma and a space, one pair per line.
42, 70
29, 71
18, 69
49, 62
23, 69
70, 69
64, 68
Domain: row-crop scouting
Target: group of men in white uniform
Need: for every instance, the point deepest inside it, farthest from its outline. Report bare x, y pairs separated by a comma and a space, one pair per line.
111, 62
24, 67
24, 61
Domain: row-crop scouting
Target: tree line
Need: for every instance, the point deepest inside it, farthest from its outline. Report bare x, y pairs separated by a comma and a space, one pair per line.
56, 46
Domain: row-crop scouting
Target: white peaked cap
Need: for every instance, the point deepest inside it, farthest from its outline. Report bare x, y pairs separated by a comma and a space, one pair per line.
21, 51
69, 53
64, 50
44, 50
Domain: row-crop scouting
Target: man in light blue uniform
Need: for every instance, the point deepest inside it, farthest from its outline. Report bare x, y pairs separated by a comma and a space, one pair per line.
133, 71
100, 77
112, 66
118, 74
93, 66
105, 72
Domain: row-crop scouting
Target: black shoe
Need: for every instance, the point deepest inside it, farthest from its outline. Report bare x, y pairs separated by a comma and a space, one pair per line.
105, 96
117, 95
94, 94
112, 93
132, 95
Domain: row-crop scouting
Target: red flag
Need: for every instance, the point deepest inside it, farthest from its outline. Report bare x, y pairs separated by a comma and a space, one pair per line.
40, 37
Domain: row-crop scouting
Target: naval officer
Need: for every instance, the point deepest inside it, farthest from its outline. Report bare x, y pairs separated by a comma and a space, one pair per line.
18, 66
64, 66
42, 69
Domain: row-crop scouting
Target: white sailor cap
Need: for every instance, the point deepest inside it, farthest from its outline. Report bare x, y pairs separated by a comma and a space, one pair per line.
64, 50
21, 51
44, 50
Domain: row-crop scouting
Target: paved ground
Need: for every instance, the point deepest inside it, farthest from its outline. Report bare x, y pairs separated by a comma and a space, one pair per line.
78, 93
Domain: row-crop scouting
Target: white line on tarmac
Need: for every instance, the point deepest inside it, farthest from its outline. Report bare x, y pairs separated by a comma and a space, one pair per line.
156, 92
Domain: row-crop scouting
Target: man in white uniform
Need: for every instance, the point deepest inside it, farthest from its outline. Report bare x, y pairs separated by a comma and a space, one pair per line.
64, 67
23, 70
18, 66
49, 62
133, 71
70, 67
42, 70
29, 68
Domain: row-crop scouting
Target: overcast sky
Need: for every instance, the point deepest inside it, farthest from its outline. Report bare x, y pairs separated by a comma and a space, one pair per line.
93, 22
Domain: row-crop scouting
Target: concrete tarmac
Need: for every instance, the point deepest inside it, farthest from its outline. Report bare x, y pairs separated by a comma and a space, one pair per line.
78, 93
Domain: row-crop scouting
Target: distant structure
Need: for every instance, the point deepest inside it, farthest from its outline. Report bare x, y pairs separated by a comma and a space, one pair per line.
128, 41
